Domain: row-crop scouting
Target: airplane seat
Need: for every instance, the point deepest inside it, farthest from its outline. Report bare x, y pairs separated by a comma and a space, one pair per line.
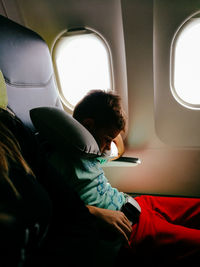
26, 65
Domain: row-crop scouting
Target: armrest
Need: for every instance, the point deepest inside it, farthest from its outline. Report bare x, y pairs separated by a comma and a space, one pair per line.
123, 162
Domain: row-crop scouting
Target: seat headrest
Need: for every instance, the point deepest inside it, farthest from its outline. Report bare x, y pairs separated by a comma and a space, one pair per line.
20, 48
27, 68
64, 132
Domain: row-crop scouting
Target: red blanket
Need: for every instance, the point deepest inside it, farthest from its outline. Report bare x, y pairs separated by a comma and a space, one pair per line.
168, 232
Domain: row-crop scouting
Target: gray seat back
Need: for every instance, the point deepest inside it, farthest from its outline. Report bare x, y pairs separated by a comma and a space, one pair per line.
26, 64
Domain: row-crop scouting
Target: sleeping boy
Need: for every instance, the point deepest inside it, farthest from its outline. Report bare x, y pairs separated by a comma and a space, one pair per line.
161, 228
168, 225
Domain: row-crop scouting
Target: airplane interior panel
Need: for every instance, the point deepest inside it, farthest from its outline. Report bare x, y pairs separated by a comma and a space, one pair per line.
153, 61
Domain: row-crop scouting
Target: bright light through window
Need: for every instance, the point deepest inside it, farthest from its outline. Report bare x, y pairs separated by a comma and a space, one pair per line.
186, 68
83, 63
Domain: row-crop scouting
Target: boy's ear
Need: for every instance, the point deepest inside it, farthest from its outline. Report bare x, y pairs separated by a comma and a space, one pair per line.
88, 123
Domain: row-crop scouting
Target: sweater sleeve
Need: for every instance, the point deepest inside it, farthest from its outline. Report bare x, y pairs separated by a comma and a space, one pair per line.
93, 187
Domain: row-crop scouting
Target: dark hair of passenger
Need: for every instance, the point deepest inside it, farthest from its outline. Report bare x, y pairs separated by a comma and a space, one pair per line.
10, 154
103, 107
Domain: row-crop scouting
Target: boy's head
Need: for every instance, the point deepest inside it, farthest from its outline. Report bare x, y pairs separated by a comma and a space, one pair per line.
102, 114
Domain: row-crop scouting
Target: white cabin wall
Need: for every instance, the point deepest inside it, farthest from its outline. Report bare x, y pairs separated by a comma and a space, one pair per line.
175, 124
9, 9
165, 169
2, 9
138, 34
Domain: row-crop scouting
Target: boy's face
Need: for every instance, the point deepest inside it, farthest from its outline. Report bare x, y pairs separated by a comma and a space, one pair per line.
104, 137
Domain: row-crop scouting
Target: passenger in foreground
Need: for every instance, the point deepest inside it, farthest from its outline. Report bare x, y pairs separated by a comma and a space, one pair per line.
162, 228
25, 208
35, 228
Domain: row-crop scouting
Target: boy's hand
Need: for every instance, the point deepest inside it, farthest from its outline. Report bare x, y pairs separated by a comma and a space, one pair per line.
115, 219
120, 145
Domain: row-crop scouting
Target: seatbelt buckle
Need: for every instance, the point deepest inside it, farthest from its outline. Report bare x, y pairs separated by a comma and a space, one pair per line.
131, 209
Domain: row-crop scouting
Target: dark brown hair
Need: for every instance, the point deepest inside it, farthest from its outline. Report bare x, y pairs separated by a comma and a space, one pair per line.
10, 154
103, 107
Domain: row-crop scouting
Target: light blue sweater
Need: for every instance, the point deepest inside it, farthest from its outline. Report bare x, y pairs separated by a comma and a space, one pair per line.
93, 187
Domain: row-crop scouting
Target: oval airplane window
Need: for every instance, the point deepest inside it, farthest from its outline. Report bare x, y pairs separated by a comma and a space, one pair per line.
185, 64
83, 62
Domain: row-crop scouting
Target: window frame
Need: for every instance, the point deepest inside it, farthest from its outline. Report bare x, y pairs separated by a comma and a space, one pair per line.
71, 32
180, 30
